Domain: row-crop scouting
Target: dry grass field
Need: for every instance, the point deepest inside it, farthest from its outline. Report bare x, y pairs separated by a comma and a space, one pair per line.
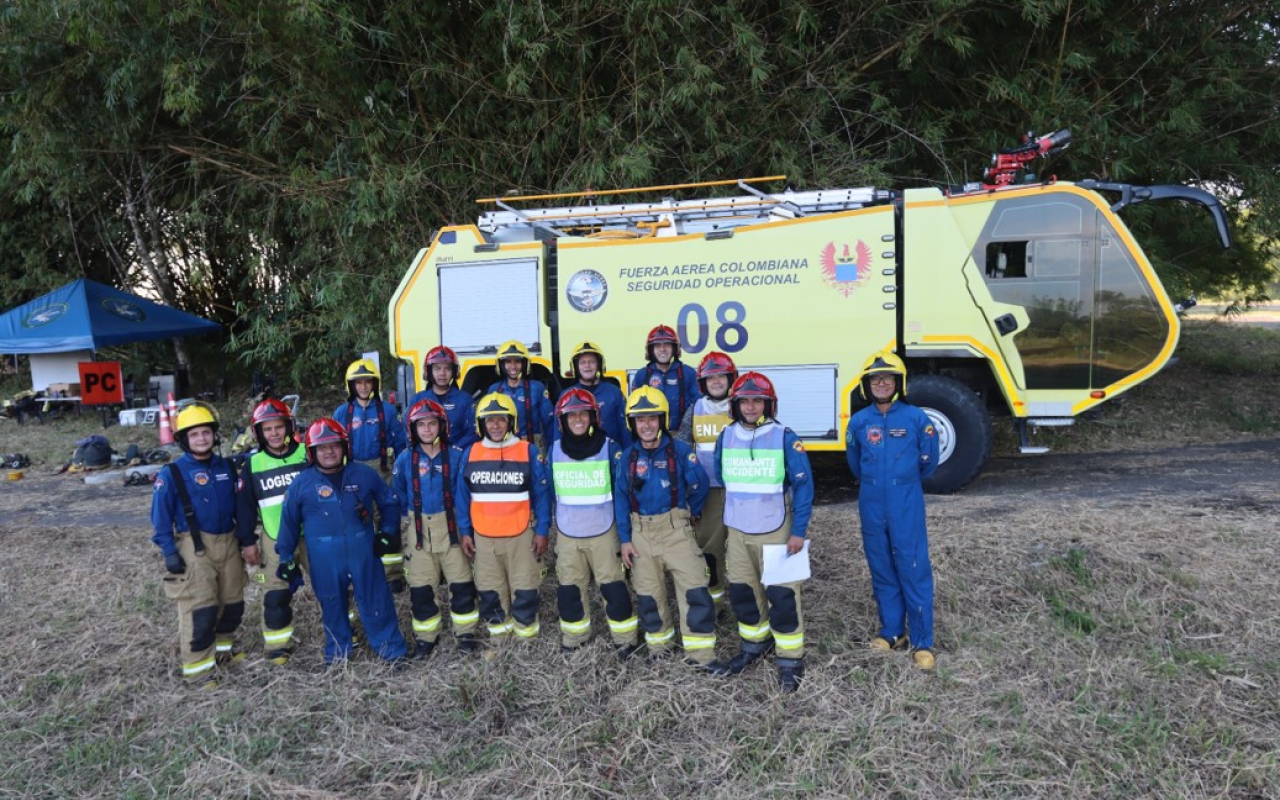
1107, 624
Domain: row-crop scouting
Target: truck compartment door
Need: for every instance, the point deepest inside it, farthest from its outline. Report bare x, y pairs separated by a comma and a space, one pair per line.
488, 302
806, 399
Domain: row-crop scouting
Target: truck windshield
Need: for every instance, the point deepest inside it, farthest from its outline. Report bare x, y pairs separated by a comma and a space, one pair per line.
1130, 328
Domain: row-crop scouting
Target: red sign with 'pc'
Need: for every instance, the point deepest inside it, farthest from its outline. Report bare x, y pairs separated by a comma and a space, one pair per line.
100, 383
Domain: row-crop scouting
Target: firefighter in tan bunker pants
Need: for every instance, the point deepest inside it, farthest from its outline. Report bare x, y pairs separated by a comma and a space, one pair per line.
504, 510
768, 501
264, 479
193, 512
659, 492
701, 428
582, 467
423, 480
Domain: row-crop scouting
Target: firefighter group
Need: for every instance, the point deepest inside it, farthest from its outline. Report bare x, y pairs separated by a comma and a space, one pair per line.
689, 476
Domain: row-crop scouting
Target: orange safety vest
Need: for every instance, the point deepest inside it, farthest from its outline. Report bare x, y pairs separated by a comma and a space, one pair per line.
500, 479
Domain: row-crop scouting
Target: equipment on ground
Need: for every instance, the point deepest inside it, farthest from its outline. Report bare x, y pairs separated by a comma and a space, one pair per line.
1027, 297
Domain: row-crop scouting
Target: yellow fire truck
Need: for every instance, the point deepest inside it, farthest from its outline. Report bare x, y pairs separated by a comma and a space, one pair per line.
1031, 298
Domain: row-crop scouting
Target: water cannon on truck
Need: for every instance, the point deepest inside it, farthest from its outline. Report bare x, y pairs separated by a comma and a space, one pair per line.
1016, 296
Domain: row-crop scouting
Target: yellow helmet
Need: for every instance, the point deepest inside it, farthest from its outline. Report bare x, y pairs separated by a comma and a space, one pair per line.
496, 404
512, 349
362, 368
647, 402
196, 415
883, 362
587, 349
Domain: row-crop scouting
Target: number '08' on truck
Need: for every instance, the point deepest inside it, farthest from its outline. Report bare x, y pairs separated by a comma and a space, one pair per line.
1025, 298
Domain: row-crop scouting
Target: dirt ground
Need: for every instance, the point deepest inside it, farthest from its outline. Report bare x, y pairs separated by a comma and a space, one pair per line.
1106, 627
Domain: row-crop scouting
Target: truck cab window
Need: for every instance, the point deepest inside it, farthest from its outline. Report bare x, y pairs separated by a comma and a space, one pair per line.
1006, 260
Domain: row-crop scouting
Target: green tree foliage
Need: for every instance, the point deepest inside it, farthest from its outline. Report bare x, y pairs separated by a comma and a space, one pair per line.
275, 165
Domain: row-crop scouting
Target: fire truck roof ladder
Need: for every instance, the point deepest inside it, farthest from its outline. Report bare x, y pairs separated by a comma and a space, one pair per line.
667, 217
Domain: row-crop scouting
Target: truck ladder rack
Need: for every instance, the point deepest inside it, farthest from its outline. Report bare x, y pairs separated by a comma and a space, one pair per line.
667, 217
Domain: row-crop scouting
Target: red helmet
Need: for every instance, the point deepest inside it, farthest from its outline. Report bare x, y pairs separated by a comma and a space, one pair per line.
753, 384
577, 399
426, 409
662, 334
267, 410
325, 431
716, 363
439, 355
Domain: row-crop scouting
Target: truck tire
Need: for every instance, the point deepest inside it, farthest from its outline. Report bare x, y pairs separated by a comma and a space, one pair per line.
963, 425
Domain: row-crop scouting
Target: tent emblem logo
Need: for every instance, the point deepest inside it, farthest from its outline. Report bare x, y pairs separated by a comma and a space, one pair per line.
45, 315
125, 309
586, 291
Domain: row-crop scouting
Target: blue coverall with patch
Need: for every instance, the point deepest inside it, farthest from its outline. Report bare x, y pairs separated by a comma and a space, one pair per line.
890, 454
337, 512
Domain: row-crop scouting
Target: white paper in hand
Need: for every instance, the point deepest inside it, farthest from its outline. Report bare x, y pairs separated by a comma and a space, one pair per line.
782, 568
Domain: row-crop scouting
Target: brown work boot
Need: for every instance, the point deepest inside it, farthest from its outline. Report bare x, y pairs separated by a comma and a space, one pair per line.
888, 643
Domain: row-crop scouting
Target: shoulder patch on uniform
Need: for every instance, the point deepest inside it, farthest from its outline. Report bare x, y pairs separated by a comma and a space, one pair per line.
693, 458
798, 446
159, 483
928, 430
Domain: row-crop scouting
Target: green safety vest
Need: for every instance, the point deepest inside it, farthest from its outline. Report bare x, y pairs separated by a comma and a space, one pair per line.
271, 478
584, 492
753, 464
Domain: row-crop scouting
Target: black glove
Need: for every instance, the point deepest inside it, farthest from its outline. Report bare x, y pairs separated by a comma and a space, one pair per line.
384, 544
174, 563
289, 571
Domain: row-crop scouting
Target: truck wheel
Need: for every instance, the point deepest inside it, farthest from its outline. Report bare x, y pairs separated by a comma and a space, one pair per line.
963, 426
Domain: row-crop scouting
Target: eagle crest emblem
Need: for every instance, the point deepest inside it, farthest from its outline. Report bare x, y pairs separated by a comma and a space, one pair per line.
845, 268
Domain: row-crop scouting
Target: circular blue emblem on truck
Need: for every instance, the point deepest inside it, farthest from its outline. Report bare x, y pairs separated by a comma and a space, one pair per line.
586, 290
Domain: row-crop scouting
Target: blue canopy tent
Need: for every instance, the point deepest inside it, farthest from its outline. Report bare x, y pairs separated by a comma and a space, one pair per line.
86, 315
78, 319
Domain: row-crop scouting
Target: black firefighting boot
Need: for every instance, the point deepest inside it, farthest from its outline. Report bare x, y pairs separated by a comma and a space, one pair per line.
750, 653
790, 673
279, 657
628, 651
422, 649
468, 643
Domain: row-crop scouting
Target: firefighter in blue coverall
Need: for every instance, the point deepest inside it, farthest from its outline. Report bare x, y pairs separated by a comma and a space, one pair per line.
440, 371
589, 371
892, 447
333, 500
374, 437
535, 421
206, 572
659, 490
664, 371
768, 500
424, 479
